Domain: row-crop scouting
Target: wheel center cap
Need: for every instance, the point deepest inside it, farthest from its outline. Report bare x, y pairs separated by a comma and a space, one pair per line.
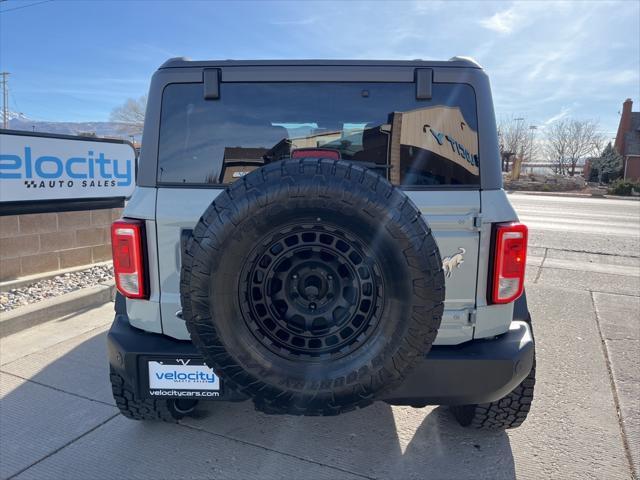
311, 292
312, 287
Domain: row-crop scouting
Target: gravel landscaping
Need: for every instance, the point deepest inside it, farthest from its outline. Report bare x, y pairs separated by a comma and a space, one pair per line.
53, 287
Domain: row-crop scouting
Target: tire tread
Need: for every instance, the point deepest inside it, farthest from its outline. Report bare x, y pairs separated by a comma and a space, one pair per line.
508, 412
137, 408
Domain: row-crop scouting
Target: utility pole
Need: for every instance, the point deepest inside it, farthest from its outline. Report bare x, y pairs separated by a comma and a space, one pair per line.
532, 135
5, 100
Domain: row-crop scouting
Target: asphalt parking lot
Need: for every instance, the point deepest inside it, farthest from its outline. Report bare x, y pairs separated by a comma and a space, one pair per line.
58, 420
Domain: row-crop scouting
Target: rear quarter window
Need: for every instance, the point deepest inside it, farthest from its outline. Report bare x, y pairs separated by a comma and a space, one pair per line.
414, 143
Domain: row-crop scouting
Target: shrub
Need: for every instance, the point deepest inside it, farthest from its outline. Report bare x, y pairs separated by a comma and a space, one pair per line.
624, 187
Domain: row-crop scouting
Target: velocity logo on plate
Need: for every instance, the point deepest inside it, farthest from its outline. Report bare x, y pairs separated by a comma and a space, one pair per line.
182, 377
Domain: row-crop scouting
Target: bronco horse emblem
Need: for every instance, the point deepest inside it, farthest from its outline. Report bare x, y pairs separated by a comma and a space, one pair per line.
454, 261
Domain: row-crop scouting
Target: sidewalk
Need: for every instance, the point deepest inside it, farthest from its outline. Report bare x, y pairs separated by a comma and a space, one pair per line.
571, 194
54, 382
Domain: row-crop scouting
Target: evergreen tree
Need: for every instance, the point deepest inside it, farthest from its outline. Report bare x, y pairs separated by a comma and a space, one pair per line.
608, 165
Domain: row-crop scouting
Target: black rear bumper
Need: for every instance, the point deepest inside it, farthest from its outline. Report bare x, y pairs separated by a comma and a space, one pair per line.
475, 372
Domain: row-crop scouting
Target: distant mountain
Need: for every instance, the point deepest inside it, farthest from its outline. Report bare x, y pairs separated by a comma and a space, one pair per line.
19, 121
16, 115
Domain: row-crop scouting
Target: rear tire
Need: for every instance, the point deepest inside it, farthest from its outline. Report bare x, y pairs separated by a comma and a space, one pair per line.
508, 412
130, 406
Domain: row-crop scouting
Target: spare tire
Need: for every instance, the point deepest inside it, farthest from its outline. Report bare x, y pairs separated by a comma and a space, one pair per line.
313, 286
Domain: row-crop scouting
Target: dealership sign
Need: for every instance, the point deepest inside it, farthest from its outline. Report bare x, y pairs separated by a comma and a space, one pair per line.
38, 167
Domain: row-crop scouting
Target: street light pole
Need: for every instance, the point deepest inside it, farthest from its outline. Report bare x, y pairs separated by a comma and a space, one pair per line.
5, 100
532, 134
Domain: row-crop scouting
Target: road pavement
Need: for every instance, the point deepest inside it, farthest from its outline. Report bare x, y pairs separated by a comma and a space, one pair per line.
588, 250
58, 420
596, 225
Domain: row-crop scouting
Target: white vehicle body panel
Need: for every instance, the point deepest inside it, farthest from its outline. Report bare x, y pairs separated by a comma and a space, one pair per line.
456, 218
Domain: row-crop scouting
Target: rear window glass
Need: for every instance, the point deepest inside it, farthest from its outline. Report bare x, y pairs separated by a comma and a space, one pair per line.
411, 142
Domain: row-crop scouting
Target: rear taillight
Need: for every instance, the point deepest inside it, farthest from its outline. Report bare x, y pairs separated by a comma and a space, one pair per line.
127, 244
509, 257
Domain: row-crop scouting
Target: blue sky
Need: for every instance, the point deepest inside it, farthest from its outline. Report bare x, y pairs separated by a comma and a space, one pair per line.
77, 60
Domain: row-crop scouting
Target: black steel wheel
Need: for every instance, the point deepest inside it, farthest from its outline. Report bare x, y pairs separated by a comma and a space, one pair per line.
312, 291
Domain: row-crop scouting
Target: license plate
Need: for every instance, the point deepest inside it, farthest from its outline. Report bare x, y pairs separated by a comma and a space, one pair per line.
182, 378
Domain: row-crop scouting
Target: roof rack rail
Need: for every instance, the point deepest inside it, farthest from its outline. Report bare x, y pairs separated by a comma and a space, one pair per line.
173, 60
457, 61
468, 60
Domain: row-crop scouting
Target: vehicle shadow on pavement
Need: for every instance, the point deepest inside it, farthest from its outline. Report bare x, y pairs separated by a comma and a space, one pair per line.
67, 404
379, 441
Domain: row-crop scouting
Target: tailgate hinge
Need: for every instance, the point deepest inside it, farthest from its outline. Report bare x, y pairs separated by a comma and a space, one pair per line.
472, 317
477, 221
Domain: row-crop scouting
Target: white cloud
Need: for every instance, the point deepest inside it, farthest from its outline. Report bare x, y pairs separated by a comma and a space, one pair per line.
502, 22
294, 22
622, 77
520, 15
423, 6
559, 116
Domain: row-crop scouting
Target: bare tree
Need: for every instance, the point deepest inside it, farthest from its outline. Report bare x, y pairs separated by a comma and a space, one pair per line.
131, 115
585, 140
516, 139
569, 140
557, 144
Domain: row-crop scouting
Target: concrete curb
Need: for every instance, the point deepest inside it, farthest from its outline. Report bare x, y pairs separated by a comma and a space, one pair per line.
572, 195
22, 281
619, 197
15, 321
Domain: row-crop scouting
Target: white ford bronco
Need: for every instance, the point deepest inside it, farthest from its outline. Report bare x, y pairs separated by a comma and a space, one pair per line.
315, 236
